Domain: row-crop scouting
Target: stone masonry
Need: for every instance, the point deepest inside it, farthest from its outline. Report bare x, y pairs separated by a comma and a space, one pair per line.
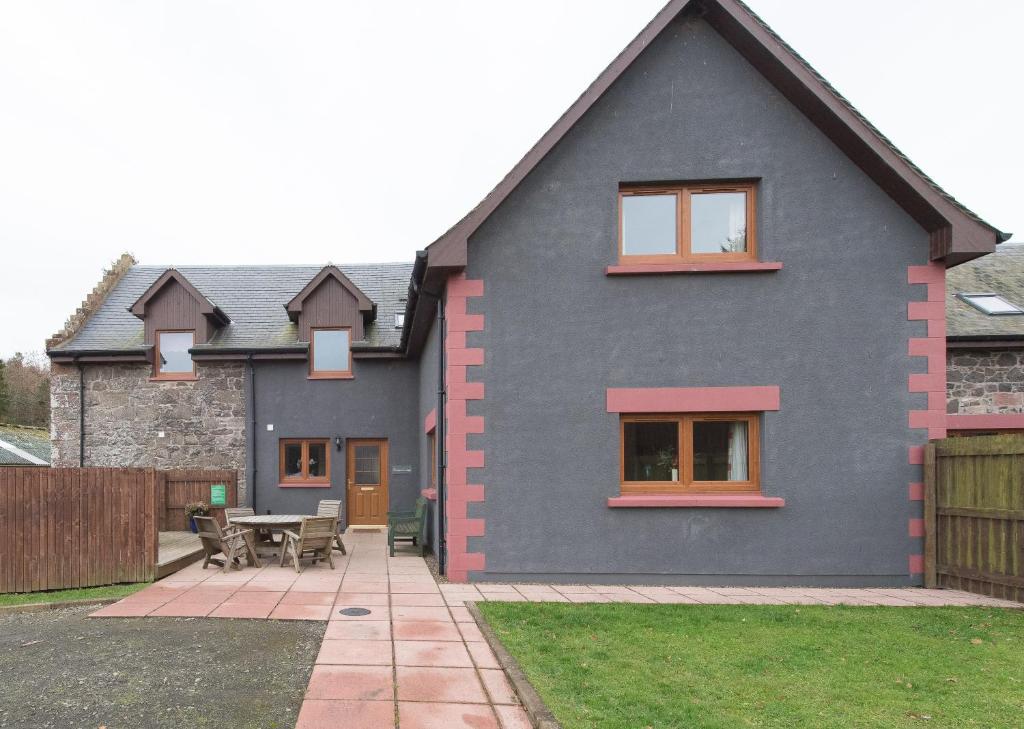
984, 381
203, 422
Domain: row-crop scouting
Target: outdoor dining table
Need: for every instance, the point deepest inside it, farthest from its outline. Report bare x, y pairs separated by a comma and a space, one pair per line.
274, 523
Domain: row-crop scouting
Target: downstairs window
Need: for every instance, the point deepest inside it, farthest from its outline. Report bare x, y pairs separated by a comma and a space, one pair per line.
717, 452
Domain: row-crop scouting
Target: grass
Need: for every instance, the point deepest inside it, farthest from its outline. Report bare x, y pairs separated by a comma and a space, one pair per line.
83, 593
620, 665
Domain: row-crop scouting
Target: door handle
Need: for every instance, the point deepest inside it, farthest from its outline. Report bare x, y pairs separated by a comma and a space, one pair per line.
366, 488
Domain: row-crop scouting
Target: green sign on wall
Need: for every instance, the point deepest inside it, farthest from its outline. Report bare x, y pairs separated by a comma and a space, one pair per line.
218, 495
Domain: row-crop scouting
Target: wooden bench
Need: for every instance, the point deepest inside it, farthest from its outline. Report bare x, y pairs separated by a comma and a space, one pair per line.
408, 526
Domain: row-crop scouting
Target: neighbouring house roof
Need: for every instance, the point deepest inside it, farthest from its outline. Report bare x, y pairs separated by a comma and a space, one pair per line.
1001, 273
956, 233
22, 445
252, 297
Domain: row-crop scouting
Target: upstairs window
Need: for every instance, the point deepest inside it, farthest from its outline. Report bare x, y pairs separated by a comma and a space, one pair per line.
991, 304
171, 358
690, 453
686, 223
330, 355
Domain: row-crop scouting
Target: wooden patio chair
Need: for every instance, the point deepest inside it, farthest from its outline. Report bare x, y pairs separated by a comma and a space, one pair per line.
315, 538
408, 526
332, 507
262, 535
231, 541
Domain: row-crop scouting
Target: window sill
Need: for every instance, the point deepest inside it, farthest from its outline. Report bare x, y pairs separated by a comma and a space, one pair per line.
715, 501
640, 269
429, 494
331, 377
304, 485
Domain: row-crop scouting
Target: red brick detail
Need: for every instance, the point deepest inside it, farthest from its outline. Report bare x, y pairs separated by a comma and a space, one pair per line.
430, 422
715, 501
691, 399
459, 492
933, 419
995, 421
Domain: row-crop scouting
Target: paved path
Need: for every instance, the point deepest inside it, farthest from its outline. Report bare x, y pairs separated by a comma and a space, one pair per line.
415, 654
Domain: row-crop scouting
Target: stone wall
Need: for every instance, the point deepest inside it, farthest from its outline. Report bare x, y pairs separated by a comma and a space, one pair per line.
984, 381
202, 423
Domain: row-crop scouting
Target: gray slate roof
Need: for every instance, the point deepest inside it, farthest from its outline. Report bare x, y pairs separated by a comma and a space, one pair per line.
35, 441
253, 297
1000, 273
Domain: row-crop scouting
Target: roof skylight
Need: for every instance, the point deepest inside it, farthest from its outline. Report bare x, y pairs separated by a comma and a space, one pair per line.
991, 304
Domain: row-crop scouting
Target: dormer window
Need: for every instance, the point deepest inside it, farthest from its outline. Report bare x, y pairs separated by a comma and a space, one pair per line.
991, 304
330, 355
171, 358
689, 223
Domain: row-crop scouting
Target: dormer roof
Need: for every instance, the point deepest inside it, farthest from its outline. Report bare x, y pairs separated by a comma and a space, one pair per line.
366, 307
206, 307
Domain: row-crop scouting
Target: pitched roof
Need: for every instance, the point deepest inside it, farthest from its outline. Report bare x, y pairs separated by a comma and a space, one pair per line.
22, 445
253, 298
1000, 273
206, 307
957, 233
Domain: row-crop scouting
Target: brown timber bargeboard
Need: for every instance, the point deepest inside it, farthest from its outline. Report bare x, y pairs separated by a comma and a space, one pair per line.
974, 515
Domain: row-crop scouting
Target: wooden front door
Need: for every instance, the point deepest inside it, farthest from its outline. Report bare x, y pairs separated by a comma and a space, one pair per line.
367, 466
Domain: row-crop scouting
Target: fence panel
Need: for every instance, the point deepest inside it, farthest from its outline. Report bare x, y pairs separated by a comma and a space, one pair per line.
974, 515
180, 487
68, 527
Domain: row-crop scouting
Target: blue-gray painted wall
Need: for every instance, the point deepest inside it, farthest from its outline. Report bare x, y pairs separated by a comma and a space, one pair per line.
428, 367
830, 329
379, 402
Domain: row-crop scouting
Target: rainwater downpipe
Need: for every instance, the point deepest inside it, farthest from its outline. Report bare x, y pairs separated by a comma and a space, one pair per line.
81, 413
254, 434
442, 543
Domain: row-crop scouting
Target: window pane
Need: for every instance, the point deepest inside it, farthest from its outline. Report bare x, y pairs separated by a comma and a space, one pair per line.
991, 304
293, 460
720, 451
651, 451
648, 224
367, 465
174, 356
718, 222
330, 350
317, 460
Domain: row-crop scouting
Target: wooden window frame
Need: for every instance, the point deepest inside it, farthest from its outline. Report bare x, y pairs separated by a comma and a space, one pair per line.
172, 376
315, 374
432, 444
686, 484
304, 479
684, 193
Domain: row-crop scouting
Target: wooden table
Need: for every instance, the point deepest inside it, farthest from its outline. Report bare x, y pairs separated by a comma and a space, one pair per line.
272, 523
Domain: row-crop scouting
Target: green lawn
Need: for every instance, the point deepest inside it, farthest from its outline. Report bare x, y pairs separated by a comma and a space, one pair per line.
621, 665
84, 593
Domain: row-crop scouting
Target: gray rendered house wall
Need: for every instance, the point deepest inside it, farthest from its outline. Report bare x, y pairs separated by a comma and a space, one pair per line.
830, 329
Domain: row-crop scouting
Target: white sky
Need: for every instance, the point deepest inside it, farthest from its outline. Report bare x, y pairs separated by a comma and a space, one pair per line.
271, 132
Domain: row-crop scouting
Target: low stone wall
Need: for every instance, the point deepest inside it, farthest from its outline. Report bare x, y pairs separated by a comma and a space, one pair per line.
202, 423
984, 381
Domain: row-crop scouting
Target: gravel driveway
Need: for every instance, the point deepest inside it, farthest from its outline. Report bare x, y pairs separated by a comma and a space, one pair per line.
61, 669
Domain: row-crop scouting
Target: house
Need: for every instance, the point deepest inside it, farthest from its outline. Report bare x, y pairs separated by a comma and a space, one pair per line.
24, 445
696, 335
985, 343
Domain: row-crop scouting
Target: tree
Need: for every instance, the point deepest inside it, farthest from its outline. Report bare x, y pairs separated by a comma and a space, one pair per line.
5, 400
27, 387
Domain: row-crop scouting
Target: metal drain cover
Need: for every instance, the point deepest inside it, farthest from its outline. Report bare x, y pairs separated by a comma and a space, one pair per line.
354, 611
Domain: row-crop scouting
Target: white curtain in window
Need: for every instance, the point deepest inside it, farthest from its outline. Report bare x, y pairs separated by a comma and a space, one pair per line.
738, 451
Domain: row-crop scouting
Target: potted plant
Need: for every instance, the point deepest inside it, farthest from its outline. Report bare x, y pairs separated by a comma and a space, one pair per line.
193, 510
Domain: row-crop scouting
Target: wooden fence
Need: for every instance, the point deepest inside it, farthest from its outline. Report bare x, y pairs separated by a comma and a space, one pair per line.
76, 527
180, 487
974, 515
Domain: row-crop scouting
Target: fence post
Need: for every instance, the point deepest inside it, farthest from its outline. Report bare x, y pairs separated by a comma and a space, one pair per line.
930, 495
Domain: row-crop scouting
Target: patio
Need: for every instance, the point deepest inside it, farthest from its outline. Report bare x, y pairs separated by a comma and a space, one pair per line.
411, 648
